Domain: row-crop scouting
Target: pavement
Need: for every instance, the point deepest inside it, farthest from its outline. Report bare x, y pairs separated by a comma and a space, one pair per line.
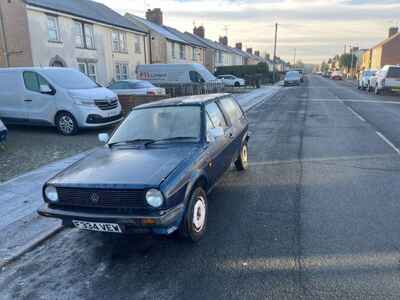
314, 217
21, 228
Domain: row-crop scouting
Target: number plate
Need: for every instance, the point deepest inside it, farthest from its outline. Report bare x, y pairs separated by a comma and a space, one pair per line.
103, 227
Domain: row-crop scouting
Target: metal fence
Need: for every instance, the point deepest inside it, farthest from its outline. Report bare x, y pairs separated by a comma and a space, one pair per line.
188, 89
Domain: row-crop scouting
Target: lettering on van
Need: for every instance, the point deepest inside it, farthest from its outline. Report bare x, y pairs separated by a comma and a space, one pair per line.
152, 76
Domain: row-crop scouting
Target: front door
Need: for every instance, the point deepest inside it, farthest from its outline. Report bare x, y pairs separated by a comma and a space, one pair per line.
41, 106
12, 107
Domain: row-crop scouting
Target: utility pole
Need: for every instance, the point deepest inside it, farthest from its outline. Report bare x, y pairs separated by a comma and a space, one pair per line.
351, 64
276, 38
294, 58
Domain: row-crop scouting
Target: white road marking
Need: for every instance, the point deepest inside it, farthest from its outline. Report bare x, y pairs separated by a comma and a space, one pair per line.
388, 142
353, 100
356, 114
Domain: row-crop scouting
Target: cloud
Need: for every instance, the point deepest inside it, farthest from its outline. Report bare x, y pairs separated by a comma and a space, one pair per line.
317, 28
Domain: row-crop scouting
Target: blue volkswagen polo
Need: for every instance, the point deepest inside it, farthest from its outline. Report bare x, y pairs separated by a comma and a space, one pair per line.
154, 173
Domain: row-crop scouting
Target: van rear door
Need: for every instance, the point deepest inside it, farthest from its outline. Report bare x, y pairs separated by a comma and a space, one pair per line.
41, 106
13, 109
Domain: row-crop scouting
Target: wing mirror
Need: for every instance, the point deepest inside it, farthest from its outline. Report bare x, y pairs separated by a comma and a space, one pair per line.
214, 133
103, 137
45, 89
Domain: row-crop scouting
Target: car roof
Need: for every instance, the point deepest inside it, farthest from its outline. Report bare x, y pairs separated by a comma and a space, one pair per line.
185, 100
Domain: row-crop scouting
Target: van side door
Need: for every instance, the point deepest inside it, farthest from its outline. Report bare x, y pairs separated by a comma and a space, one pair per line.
41, 105
12, 107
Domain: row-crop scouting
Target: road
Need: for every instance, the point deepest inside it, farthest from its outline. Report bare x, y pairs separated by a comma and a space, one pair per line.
315, 217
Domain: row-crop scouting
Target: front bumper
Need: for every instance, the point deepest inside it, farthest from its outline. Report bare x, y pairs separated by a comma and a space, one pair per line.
159, 222
3, 135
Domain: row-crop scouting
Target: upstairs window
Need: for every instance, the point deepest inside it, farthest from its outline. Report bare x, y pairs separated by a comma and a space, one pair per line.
193, 54
138, 48
79, 38
53, 29
173, 50
182, 51
119, 41
89, 35
84, 35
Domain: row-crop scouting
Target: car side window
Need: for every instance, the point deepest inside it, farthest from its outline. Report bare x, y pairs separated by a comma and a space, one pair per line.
210, 124
195, 77
31, 82
216, 116
232, 109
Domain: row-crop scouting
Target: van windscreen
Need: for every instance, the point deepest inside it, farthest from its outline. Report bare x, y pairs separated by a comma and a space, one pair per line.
70, 79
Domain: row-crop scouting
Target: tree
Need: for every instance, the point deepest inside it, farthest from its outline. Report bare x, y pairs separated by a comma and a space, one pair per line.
346, 61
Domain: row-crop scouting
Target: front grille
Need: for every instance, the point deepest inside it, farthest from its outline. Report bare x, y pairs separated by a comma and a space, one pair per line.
102, 198
106, 104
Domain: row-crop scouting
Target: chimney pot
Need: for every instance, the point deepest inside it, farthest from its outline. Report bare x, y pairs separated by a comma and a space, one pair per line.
393, 31
257, 53
249, 50
239, 46
199, 31
223, 40
155, 15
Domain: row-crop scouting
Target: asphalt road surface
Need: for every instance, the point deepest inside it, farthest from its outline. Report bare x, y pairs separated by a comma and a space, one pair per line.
317, 216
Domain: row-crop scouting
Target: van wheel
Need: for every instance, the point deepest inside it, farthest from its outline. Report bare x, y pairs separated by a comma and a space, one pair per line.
66, 124
194, 222
242, 163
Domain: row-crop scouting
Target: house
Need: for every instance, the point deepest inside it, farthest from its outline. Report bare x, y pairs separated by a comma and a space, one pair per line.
81, 34
168, 45
386, 52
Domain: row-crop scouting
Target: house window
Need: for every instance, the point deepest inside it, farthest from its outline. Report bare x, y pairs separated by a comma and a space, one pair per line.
89, 69
121, 71
220, 60
193, 54
182, 51
119, 42
79, 40
53, 30
84, 35
138, 48
173, 50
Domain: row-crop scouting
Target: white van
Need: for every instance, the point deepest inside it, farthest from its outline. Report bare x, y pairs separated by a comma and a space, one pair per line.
60, 97
175, 73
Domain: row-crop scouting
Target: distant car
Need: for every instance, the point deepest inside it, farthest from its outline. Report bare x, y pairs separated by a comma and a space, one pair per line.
292, 78
231, 80
386, 79
3, 132
337, 75
136, 87
365, 78
155, 172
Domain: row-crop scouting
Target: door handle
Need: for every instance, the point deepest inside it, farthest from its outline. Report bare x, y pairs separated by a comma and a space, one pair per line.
28, 100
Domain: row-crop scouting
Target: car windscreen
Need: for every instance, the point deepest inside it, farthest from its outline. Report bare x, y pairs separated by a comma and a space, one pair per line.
292, 75
69, 79
393, 72
158, 123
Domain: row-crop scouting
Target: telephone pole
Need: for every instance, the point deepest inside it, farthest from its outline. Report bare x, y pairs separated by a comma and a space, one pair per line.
294, 58
276, 38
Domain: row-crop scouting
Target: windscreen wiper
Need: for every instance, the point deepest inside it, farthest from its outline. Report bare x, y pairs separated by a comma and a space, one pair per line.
171, 139
134, 141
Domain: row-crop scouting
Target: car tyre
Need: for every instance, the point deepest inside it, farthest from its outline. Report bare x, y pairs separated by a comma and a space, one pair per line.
377, 91
237, 84
242, 163
66, 123
194, 222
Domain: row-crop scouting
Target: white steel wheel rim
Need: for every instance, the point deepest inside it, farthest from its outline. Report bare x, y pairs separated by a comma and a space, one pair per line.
66, 124
244, 155
199, 214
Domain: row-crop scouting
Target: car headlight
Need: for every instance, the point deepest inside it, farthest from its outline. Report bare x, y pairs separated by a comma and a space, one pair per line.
84, 102
51, 193
154, 198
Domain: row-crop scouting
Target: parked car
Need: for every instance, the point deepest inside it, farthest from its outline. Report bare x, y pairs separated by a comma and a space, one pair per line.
136, 87
292, 78
155, 172
337, 75
386, 79
365, 78
301, 72
175, 73
231, 80
3, 132
61, 97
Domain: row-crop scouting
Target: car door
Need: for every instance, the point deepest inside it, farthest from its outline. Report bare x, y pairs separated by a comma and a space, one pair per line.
237, 123
12, 107
217, 150
41, 106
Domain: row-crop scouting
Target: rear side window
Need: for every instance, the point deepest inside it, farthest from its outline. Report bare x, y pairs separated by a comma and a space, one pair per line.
33, 81
394, 73
215, 115
232, 109
195, 77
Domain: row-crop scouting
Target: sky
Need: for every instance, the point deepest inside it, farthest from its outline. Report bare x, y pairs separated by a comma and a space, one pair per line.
317, 29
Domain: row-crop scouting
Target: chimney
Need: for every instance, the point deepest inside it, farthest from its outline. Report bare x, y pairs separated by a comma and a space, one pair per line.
155, 15
223, 40
257, 53
249, 50
393, 31
199, 31
267, 56
239, 46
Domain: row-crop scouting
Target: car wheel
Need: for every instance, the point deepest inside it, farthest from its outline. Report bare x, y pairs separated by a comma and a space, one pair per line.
376, 90
237, 84
242, 163
194, 223
66, 124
